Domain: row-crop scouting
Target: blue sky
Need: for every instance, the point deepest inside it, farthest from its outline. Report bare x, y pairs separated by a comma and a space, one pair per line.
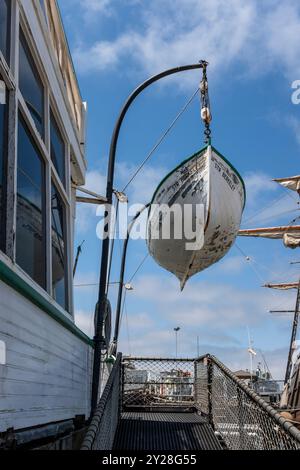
253, 56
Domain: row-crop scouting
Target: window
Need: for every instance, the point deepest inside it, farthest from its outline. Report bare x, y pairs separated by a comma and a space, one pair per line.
31, 85
30, 236
3, 154
57, 148
5, 28
59, 285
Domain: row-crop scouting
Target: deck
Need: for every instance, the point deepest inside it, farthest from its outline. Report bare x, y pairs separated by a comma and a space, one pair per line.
159, 431
167, 404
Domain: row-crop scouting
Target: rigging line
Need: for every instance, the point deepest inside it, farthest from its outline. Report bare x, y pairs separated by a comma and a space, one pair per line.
250, 261
116, 212
123, 307
161, 139
139, 267
270, 204
270, 270
278, 214
288, 191
294, 220
127, 328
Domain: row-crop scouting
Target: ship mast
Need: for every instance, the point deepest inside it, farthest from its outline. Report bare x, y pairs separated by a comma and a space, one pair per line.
287, 286
293, 336
291, 239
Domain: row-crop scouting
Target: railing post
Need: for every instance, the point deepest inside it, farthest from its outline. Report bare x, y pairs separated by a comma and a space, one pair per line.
122, 376
242, 443
195, 383
209, 391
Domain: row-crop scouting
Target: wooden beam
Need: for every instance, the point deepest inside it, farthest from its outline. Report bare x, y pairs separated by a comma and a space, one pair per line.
91, 200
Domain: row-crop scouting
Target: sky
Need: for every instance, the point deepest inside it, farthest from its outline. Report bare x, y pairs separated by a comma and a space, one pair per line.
254, 62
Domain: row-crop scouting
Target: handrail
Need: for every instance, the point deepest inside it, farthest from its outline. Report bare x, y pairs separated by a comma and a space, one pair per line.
280, 420
95, 425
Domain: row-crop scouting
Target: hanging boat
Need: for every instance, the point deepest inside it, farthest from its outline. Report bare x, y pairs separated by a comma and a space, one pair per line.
204, 180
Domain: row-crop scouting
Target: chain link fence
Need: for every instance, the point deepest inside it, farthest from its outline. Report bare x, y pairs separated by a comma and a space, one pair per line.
102, 430
157, 383
242, 418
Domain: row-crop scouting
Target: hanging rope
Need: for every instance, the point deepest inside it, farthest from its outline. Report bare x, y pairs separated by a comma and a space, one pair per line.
251, 262
116, 211
161, 139
139, 267
127, 328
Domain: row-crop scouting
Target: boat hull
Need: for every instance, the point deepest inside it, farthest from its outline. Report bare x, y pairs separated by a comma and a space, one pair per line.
205, 180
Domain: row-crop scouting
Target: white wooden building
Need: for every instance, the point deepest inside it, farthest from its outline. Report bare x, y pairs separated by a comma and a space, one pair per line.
45, 360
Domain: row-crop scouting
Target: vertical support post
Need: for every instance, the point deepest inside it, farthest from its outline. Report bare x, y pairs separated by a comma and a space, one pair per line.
242, 442
122, 387
209, 391
195, 382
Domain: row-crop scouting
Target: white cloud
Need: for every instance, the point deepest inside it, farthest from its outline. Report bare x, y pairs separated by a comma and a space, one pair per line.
282, 208
95, 9
205, 303
143, 186
162, 344
256, 184
85, 321
231, 264
140, 191
95, 5
222, 31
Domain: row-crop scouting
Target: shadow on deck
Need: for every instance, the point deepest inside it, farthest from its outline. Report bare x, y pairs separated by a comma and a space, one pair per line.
159, 431
164, 404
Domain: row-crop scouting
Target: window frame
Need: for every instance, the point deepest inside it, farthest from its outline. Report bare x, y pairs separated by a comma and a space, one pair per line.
57, 122
7, 76
34, 62
8, 53
51, 175
22, 116
66, 246
16, 106
4, 195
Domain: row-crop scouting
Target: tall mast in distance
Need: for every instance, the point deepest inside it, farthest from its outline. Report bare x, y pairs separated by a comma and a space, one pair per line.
290, 236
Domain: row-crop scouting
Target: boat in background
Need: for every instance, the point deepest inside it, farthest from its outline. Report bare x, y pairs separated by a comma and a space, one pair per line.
204, 180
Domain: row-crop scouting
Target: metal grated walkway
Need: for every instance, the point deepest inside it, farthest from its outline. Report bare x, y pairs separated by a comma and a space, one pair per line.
158, 431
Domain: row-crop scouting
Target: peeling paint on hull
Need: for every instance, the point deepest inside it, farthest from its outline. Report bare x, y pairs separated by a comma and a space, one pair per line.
206, 178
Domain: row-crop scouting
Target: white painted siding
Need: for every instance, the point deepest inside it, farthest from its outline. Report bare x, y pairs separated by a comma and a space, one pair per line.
47, 375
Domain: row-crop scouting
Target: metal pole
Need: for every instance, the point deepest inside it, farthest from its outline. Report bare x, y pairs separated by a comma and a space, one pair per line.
99, 311
176, 341
293, 337
121, 280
